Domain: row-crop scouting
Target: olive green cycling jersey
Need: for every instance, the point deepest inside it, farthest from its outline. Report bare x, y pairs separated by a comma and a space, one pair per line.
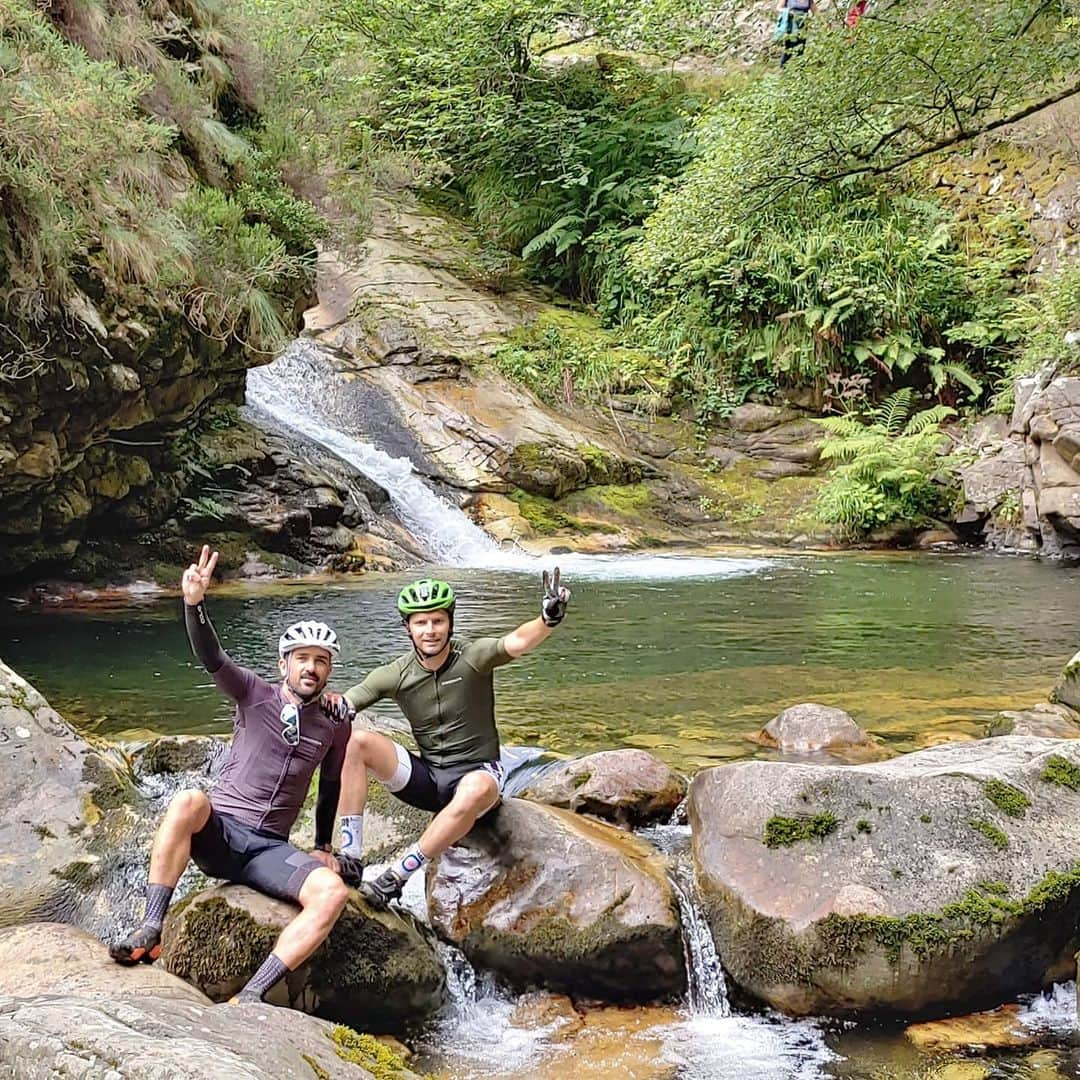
451, 711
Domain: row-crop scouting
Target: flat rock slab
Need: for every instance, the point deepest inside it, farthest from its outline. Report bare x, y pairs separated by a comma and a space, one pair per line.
940, 881
53, 958
548, 898
627, 787
127, 1038
376, 971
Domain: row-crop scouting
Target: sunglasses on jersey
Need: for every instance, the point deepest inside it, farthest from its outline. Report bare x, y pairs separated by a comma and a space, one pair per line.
290, 723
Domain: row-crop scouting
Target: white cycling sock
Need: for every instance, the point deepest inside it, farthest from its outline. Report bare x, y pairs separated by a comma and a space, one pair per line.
352, 834
409, 863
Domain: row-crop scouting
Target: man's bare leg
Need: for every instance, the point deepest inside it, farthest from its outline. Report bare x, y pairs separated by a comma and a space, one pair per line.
188, 813
322, 898
476, 794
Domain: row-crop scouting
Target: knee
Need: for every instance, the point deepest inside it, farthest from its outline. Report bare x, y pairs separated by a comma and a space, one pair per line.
325, 892
477, 793
360, 744
189, 806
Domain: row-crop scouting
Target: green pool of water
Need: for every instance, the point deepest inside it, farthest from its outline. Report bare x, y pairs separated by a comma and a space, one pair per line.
917, 648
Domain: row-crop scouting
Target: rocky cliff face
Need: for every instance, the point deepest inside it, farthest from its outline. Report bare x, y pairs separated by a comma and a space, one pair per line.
1023, 492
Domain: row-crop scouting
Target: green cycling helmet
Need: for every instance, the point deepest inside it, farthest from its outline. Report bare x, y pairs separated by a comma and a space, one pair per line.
426, 595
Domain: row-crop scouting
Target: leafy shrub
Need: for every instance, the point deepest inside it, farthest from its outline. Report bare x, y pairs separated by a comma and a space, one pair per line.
887, 466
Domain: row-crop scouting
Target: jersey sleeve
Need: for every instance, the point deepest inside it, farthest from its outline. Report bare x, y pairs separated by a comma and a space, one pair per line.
379, 684
330, 769
235, 682
486, 653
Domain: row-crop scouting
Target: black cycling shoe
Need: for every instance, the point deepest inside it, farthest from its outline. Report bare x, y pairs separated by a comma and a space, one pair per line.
386, 887
351, 868
140, 946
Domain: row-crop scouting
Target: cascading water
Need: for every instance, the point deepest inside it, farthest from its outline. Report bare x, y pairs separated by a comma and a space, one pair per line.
302, 391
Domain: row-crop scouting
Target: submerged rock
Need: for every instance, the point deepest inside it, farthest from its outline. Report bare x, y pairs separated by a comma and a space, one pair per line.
810, 726
939, 881
547, 898
1044, 721
375, 971
628, 787
146, 1038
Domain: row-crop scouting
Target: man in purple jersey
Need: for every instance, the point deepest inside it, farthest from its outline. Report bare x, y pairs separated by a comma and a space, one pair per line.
240, 832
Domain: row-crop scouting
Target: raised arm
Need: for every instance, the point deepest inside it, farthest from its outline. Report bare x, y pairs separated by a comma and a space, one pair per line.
536, 631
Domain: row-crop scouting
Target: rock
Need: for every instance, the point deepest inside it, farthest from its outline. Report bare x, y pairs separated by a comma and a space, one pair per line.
38, 959
931, 538
995, 1028
545, 897
812, 727
1067, 689
149, 1038
52, 789
938, 881
174, 754
775, 470
751, 418
797, 441
1042, 721
988, 480
375, 970
628, 787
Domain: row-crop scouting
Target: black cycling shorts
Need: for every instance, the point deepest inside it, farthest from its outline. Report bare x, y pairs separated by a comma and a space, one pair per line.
431, 787
227, 848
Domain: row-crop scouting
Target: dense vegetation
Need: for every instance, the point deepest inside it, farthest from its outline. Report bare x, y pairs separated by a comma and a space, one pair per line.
126, 179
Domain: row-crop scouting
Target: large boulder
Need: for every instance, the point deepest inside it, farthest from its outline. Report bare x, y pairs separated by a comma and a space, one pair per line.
810, 726
628, 787
158, 1038
548, 898
1067, 688
943, 880
1043, 720
375, 971
39, 959
53, 788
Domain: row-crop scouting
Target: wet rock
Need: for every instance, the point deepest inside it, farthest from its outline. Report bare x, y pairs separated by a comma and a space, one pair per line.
130, 1038
375, 970
628, 787
1044, 721
939, 537
798, 441
547, 898
935, 882
1067, 688
39, 959
995, 1028
175, 754
53, 787
810, 727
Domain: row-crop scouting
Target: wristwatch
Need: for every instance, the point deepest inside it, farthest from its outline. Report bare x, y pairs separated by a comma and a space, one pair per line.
325, 847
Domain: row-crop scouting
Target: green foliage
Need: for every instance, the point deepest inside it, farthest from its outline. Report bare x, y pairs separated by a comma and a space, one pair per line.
568, 360
1010, 800
266, 199
863, 826
886, 465
1061, 771
1043, 318
784, 831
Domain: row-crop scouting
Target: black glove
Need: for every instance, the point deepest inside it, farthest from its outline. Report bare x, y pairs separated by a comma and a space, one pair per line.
337, 708
556, 597
351, 868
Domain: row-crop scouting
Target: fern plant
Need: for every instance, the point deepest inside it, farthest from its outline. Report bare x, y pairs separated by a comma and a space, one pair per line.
888, 465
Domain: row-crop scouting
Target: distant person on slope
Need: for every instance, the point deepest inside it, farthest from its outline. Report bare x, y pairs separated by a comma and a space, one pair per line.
282, 734
791, 26
447, 694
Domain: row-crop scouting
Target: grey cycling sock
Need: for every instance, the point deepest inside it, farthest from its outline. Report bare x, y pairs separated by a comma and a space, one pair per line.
157, 903
272, 971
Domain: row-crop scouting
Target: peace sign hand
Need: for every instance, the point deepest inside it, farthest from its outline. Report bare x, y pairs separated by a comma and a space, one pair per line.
197, 576
556, 597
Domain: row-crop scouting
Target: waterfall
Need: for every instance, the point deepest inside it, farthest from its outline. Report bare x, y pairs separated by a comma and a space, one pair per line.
303, 392
706, 987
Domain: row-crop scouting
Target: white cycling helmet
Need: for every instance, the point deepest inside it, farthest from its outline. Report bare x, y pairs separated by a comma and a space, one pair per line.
308, 632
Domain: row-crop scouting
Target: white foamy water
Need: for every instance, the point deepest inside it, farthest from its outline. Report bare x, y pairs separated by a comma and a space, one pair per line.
296, 393
1053, 1011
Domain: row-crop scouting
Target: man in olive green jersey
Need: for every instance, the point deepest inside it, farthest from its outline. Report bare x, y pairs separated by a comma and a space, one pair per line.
446, 693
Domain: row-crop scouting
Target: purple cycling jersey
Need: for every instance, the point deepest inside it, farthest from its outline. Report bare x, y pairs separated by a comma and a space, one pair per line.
265, 780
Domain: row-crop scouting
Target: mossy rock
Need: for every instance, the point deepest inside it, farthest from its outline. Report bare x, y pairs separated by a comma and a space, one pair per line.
963, 890
375, 971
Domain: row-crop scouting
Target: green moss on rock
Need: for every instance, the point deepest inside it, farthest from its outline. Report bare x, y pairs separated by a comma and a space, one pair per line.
990, 831
241, 943
1008, 799
1060, 771
367, 1052
784, 831
542, 513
